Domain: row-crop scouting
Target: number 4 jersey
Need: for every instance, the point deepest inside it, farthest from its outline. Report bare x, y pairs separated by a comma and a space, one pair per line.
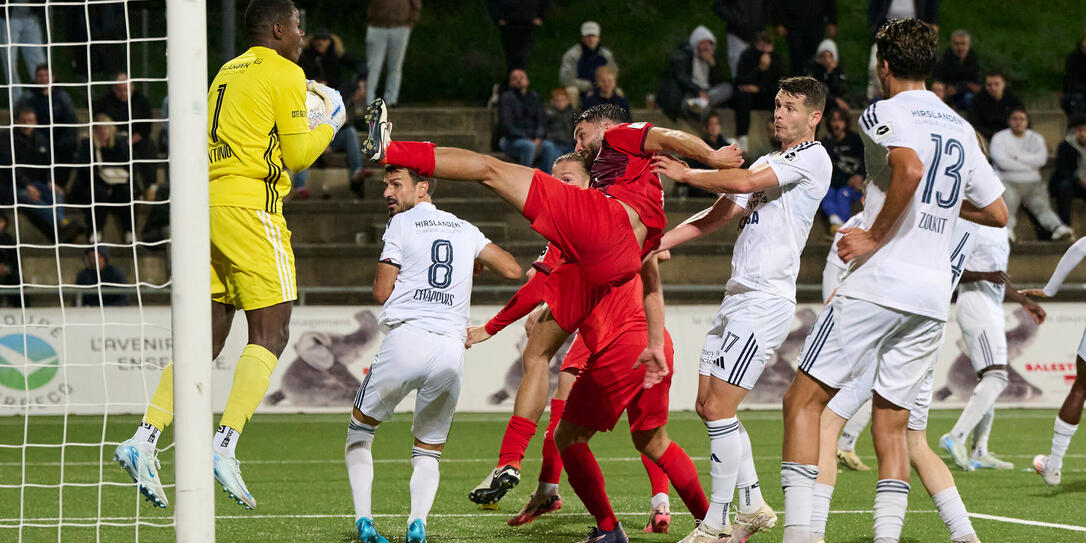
905, 272
435, 252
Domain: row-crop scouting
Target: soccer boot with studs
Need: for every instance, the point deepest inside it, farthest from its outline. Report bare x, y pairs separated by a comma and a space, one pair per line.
495, 485
141, 462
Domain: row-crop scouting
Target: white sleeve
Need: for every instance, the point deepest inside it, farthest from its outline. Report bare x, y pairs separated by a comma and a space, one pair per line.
740, 200
392, 252
1070, 259
480, 240
982, 187
807, 162
883, 123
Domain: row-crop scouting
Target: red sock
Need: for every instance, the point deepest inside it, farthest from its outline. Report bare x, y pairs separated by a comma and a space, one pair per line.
414, 155
684, 477
584, 475
518, 433
551, 472
657, 477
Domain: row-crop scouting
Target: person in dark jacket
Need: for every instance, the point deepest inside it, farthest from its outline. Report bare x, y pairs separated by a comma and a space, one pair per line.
694, 82
804, 23
98, 271
826, 68
605, 91
991, 107
53, 105
388, 30
115, 104
518, 21
522, 124
324, 59
879, 11
760, 69
1073, 101
34, 180
9, 265
1069, 177
846, 151
107, 181
959, 69
560, 122
745, 19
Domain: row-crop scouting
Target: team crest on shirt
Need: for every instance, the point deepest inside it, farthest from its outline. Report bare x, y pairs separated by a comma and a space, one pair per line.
882, 131
790, 156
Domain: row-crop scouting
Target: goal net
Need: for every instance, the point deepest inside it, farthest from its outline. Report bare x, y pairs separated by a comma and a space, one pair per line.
85, 261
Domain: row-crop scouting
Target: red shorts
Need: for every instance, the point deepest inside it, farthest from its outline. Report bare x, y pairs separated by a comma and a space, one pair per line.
609, 385
598, 246
576, 357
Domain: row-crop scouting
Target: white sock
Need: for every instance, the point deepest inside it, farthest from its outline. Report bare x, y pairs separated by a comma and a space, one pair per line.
424, 480
821, 495
360, 466
146, 433
659, 499
954, 515
854, 427
989, 388
226, 441
797, 480
891, 500
750, 492
1061, 439
727, 450
546, 489
982, 432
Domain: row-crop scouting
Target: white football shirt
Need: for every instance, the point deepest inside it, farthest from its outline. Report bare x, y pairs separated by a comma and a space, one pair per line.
436, 253
777, 220
902, 273
980, 303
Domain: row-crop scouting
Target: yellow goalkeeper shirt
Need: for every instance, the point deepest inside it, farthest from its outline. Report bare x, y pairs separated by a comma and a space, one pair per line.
255, 101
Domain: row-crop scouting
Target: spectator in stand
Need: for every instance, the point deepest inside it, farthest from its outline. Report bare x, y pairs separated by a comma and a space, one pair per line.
991, 106
713, 136
518, 21
53, 105
25, 28
826, 67
880, 11
324, 60
522, 124
804, 23
560, 117
1073, 101
606, 91
104, 182
959, 69
580, 62
389, 28
97, 270
760, 69
1018, 155
105, 22
1069, 178
116, 104
9, 265
694, 82
34, 179
938, 88
846, 151
745, 19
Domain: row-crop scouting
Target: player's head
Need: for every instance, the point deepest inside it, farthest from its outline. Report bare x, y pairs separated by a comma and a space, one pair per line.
275, 24
1078, 126
797, 109
572, 168
1018, 120
405, 188
905, 49
592, 123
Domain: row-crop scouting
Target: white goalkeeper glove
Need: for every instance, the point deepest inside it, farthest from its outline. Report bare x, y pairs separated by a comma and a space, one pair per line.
333, 104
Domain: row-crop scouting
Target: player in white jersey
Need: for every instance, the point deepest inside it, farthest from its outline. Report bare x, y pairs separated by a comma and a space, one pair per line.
424, 281
777, 199
984, 284
1049, 466
893, 303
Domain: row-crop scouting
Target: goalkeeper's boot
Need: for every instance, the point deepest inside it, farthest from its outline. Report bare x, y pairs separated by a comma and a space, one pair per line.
989, 461
367, 532
380, 133
140, 460
957, 451
1046, 469
228, 474
416, 531
537, 506
851, 460
748, 524
496, 484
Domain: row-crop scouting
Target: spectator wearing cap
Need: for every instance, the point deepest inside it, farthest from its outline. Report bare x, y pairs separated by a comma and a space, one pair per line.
606, 91
579, 63
959, 69
518, 21
745, 19
1073, 100
990, 108
1069, 176
826, 67
389, 29
694, 82
325, 59
98, 270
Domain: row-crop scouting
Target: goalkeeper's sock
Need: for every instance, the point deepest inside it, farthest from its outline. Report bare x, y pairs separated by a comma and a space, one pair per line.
360, 465
424, 480
250, 383
226, 441
414, 155
551, 470
160, 411
518, 433
147, 433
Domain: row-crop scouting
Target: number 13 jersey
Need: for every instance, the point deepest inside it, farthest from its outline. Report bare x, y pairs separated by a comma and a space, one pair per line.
435, 252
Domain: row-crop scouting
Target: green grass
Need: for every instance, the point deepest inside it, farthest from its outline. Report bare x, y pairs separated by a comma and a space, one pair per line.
294, 466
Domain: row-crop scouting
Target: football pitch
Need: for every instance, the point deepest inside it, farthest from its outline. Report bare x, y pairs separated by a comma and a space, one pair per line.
294, 467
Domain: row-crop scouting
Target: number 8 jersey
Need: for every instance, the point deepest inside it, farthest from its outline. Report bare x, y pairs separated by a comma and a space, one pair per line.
435, 252
905, 272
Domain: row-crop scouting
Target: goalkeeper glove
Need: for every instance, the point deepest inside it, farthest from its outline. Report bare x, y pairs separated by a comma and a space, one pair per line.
333, 104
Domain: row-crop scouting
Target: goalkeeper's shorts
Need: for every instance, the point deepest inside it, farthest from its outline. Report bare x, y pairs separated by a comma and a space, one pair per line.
252, 264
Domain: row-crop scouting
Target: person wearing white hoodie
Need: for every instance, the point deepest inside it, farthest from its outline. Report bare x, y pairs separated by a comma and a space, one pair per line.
694, 82
1018, 155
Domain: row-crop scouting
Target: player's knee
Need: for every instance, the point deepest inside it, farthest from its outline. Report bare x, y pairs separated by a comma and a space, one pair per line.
997, 375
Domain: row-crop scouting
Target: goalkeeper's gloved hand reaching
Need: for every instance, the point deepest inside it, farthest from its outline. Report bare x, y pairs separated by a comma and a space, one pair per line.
333, 104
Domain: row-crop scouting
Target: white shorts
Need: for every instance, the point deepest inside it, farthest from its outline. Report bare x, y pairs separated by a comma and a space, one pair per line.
985, 346
747, 330
1082, 346
918, 415
848, 401
414, 359
851, 333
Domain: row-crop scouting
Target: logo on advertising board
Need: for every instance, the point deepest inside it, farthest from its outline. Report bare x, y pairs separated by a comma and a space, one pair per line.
27, 362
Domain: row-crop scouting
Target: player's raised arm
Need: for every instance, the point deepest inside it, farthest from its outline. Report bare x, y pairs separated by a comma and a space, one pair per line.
907, 171
500, 261
1070, 259
705, 221
666, 140
732, 181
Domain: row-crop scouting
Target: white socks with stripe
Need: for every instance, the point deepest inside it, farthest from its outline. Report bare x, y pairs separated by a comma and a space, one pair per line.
1061, 438
854, 427
750, 493
891, 500
797, 480
226, 441
954, 515
821, 496
425, 477
360, 466
982, 432
726, 454
989, 388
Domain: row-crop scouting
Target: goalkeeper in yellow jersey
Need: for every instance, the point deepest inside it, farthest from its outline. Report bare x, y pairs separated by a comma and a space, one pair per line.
257, 131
